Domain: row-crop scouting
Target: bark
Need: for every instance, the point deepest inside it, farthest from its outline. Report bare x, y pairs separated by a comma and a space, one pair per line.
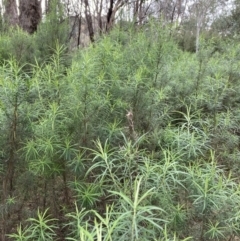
89, 20
112, 10
11, 13
109, 15
99, 7
30, 15
197, 36
79, 30
138, 11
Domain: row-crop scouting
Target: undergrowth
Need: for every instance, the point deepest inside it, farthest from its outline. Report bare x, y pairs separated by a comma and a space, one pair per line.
135, 140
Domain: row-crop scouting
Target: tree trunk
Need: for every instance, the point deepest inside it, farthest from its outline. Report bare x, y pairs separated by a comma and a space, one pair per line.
11, 13
197, 36
79, 31
30, 15
109, 16
112, 10
89, 20
99, 16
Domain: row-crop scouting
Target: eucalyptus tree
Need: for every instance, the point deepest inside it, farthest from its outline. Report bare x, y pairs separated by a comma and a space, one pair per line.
89, 20
11, 13
200, 14
30, 14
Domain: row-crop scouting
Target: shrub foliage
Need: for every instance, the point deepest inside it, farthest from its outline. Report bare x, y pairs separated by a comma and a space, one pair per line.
134, 140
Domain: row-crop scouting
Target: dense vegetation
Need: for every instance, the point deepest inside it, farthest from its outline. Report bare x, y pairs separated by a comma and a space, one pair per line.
130, 139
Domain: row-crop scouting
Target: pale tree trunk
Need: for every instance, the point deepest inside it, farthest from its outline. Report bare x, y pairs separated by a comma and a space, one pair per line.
30, 14
138, 11
11, 13
197, 35
98, 8
198, 25
203, 10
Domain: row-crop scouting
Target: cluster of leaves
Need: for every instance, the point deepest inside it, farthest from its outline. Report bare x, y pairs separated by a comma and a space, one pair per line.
136, 140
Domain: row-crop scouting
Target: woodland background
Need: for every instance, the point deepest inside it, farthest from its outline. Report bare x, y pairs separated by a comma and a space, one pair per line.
119, 120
